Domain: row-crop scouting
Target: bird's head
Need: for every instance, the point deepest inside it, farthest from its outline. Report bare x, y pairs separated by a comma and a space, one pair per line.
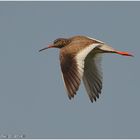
58, 43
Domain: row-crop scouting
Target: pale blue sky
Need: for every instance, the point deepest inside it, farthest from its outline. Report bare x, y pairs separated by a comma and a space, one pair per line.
33, 100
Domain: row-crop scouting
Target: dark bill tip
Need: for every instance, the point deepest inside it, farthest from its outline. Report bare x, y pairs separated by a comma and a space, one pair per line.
50, 46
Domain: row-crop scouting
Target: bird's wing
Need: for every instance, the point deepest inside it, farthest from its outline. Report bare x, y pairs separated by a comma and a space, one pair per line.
72, 67
92, 77
71, 74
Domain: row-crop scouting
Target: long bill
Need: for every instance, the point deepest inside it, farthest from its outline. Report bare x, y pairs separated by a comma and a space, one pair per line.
50, 46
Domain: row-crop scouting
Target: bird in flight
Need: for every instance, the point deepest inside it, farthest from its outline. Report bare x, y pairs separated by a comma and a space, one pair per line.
80, 59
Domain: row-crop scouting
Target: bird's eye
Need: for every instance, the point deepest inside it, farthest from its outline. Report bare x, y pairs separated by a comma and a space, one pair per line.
56, 41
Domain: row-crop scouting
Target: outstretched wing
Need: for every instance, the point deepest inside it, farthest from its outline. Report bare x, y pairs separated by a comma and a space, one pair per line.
71, 74
92, 77
72, 66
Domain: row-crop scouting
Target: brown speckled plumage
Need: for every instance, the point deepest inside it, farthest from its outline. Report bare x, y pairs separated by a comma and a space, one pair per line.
80, 58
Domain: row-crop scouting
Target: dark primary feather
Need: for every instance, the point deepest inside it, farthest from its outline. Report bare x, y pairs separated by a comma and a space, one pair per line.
70, 74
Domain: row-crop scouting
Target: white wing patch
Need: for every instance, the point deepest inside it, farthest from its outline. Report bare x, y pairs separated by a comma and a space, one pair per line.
78, 67
80, 57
